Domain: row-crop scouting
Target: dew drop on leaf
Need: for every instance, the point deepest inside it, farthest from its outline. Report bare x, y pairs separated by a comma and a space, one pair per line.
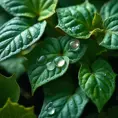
50, 66
75, 45
50, 109
42, 60
74, 29
60, 62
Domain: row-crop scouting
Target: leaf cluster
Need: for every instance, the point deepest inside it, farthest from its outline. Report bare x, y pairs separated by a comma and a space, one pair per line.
63, 48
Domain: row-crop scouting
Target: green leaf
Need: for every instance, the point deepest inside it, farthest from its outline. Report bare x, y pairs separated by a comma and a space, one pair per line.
110, 38
8, 89
50, 59
77, 20
109, 9
42, 73
30, 8
97, 21
18, 34
14, 110
98, 82
11, 64
63, 99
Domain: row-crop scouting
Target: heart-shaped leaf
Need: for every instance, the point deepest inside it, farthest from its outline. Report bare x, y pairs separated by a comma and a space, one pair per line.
14, 110
63, 99
8, 89
109, 9
77, 21
18, 34
30, 8
110, 38
46, 70
97, 81
51, 58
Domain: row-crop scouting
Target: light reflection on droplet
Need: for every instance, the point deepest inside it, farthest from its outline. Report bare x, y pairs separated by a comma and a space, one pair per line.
50, 109
75, 29
60, 62
75, 45
42, 59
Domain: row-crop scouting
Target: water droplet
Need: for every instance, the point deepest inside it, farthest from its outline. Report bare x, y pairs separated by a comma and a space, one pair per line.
60, 62
50, 66
76, 28
100, 89
73, 29
50, 109
75, 45
42, 59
